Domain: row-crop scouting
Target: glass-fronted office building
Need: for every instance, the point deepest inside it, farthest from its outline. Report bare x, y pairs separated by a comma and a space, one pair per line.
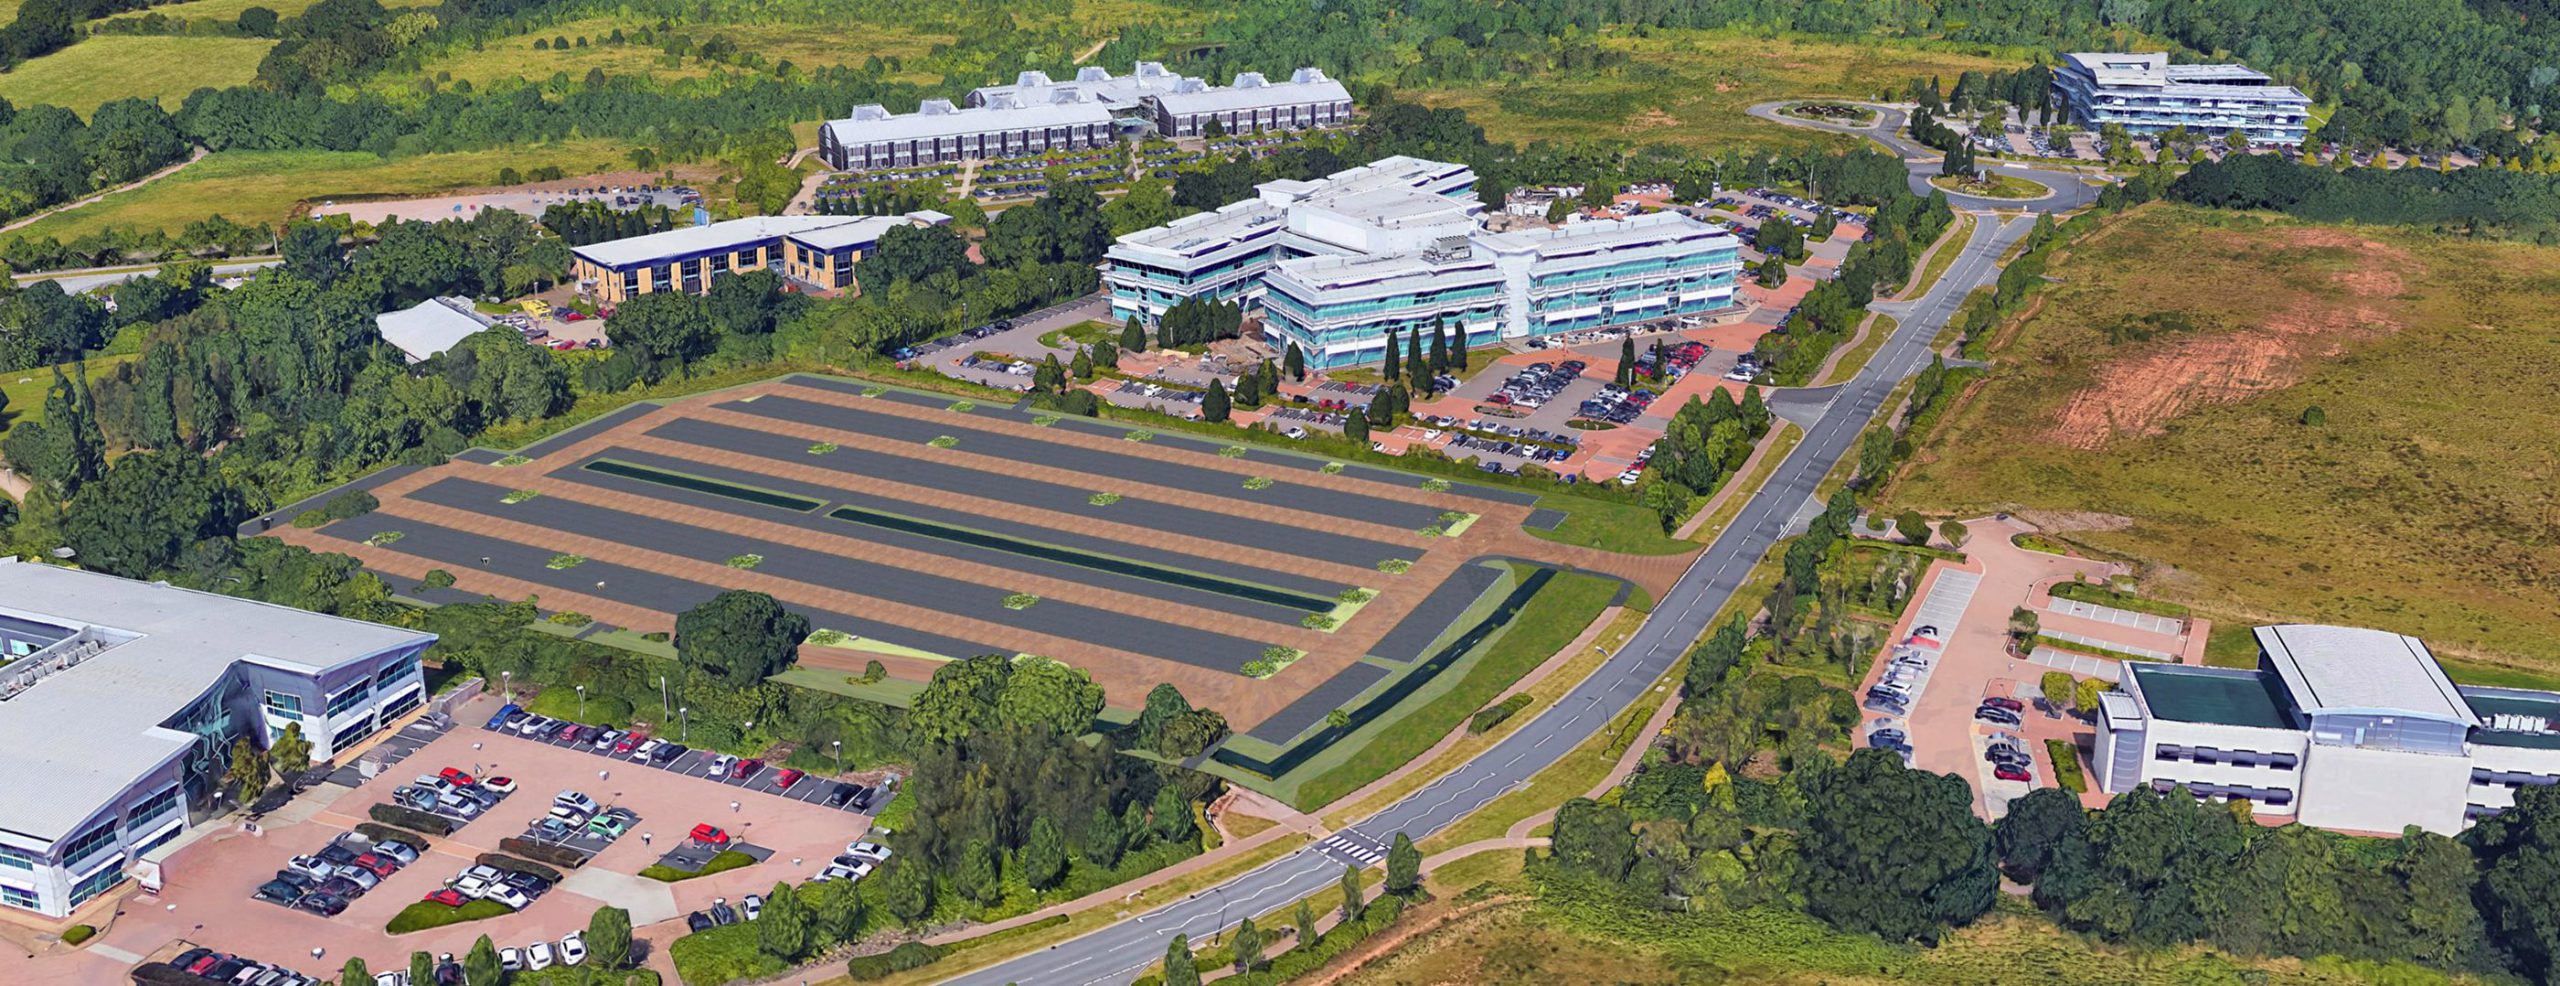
2147, 95
121, 700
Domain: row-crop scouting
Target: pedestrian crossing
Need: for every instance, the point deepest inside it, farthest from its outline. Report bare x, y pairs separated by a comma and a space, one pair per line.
1352, 847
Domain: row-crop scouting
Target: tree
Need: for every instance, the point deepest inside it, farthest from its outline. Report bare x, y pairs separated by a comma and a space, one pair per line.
1593, 839
1308, 936
2037, 827
480, 965
782, 931
1293, 362
1104, 839
2084, 696
1394, 366
609, 936
907, 889
1626, 376
1356, 427
1892, 851
2023, 625
2056, 686
1164, 704
1178, 967
1247, 945
1559, 209
291, 753
1913, 527
1214, 407
1172, 815
311, 252
1772, 273
1439, 346
136, 518
1044, 855
422, 968
355, 973
247, 777
257, 22
739, 637
1133, 339
1953, 531
1404, 866
975, 873
1352, 902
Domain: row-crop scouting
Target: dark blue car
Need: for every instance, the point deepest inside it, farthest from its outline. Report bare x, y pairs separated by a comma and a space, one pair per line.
505, 712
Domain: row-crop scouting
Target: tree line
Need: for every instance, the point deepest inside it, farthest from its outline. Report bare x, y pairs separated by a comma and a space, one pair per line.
2486, 202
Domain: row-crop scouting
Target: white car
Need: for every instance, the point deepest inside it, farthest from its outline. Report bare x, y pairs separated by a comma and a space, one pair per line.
874, 850
499, 785
510, 896
473, 887
643, 750
752, 905
573, 817
573, 948
572, 799
535, 724
718, 766
400, 978
459, 806
511, 959
539, 956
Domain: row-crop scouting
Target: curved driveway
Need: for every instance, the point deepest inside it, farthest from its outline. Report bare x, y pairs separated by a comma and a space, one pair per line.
1115, 954
2069, 192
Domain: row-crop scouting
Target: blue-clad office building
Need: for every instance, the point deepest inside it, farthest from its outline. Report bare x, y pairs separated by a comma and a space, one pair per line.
2146, 95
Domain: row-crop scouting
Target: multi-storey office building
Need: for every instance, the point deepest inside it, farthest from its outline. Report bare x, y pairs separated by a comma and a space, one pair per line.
1399, 244
1583, 275
817, 251
1122, 94
122, 700
1396, 204
2147, 95
2337, 727
1309, 99
1064, 118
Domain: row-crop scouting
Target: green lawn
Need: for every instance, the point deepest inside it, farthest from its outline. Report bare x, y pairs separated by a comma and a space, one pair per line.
1609, 526
728, 859
265, 186
110, 67
1689, 87
801, 42
2148, 419
228, 11
1552, 618
1993, 185
26, 389
426, 914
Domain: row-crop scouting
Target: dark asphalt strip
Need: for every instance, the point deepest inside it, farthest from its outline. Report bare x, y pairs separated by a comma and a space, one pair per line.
1093, 543
463, 551
1436, 613
1102, 465
1133, 508
1100, 627
1310, 708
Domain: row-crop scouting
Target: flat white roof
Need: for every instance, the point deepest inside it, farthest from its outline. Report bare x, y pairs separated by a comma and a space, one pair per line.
861, 232
717, 237
1144, 78
77, 737
429, 327
1252, 92
2333, 669
1597, 235
2151, 70
1063, 106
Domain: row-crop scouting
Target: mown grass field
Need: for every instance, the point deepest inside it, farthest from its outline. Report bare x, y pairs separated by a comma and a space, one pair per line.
1689, 88
264, 186
2157, 404
228, 11
806, 45
1528, 941
107, 68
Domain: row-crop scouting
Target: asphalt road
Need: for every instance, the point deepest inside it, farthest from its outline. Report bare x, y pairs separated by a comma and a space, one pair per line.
77, 281
2069, 192
1116, 953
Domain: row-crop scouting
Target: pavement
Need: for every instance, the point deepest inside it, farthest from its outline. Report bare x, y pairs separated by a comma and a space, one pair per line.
91, 279
1116, 953
1922, 160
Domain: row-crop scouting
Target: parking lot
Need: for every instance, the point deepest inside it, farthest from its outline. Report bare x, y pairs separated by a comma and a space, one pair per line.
206, 897
753, 776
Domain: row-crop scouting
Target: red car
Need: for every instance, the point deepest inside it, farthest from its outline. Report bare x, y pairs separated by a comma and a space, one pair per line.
380, 865
2010, 704
710, 835
786, 778
448, 897
630, 741
2010, 774
456, 775
206, 963
745, 769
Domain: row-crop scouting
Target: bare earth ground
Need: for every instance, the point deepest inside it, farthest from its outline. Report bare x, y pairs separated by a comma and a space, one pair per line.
2154, 407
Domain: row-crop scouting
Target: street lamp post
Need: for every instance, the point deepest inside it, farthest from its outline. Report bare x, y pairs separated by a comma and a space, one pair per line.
582, 701
662, 697
839, 755
684, 724
509, 677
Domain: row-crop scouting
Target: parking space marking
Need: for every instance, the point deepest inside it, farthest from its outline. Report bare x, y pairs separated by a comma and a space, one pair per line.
2147, 622
808, 790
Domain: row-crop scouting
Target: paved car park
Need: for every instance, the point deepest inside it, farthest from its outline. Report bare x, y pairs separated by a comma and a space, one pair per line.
761, 778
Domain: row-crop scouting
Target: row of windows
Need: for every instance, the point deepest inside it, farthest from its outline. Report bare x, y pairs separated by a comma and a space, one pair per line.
396, 671
2511, 780
2173, 753
87, 844
2231, 792
153, 806
284, 706
17, 858
96, 884
15, 897
352, 697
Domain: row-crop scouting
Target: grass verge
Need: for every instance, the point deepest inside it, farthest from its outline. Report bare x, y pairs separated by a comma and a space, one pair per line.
728, 859
1609, 526
427, 914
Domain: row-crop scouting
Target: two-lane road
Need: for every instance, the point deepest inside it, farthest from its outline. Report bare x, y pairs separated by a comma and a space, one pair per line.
2069, 191
1115, 954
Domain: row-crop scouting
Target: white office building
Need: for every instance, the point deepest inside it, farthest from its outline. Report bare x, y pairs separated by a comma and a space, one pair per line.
2337, 727
1061, 118
121, 700
1399, 244
2147, 95
1307, 100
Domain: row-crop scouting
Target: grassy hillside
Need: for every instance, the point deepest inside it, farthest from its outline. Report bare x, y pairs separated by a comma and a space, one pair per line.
803, 44
264, 186
2155, 406
1689, 88
112, 67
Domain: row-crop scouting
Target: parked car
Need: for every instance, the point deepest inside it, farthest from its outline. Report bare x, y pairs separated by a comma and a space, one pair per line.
630, 741
721, 911
710, 835
325, 905
507, 713
510, 896
511, 959
500, 785
840, 796
719, 764
745, 769
2010, 704
448, 897
2011, 774
697, 921
397, 850
783, 779
573, 799
456, 776
752, 904
278, 892
573, 948
609, 826
869, 850
668, 753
